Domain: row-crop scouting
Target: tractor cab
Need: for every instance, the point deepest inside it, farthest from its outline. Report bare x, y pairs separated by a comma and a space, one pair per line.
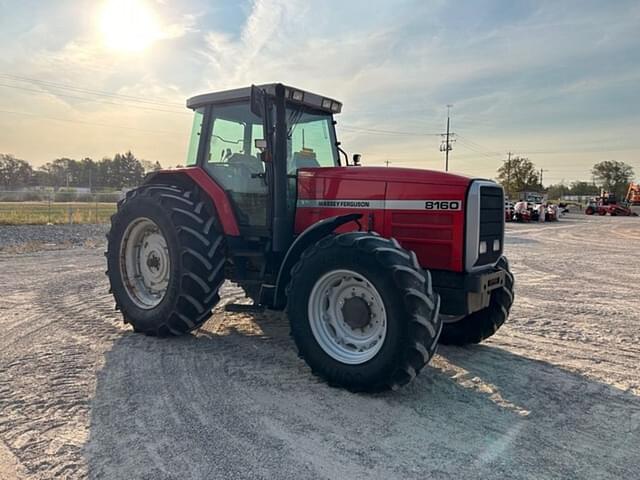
252, 141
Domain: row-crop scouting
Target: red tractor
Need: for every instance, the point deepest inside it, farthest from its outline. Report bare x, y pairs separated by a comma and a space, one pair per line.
608, 203
373, 265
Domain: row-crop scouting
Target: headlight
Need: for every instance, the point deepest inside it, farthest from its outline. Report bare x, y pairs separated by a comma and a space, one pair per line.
483, 247
496, 245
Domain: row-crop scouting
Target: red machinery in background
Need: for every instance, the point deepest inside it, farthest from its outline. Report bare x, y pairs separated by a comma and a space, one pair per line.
633, 198
608, 203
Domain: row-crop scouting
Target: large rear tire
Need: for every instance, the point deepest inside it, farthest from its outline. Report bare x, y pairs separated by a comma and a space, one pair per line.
165, 259
363, 313
484, 323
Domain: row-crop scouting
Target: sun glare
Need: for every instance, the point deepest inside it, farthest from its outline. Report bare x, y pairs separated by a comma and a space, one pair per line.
128, 25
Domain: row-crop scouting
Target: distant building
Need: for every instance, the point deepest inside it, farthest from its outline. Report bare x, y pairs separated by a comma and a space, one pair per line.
532, 197
578, 198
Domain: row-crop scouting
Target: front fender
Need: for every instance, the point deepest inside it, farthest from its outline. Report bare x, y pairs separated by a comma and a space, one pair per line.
311, 235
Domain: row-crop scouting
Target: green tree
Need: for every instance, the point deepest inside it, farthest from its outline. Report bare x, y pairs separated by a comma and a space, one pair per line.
583, 188
88, 173
14, 172
150, 166
613, 176
126, 171
557, 191
518, 174
62, 172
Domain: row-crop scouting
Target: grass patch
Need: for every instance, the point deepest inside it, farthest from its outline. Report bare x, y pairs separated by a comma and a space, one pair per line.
41, 213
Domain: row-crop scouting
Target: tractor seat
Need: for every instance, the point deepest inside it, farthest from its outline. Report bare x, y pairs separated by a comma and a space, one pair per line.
249, 161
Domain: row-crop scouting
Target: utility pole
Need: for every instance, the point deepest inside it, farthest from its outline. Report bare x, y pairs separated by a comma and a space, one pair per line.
446, 146
509, 173
541, 172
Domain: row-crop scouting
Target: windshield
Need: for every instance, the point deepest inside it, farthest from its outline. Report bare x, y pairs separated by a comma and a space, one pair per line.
310, 140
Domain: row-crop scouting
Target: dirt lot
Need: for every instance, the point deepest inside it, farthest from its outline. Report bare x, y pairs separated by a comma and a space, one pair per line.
555, 394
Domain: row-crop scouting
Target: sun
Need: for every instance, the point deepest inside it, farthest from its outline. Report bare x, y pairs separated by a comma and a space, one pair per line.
128, 26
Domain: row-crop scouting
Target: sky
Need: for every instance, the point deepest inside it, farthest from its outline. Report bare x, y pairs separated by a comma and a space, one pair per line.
556, 82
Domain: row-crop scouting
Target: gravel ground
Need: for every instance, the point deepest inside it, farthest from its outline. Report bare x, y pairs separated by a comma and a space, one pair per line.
554, 394
19, 238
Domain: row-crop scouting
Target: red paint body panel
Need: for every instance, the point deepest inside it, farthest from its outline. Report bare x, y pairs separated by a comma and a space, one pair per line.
392, 174
437, 237
312, 187
217, 195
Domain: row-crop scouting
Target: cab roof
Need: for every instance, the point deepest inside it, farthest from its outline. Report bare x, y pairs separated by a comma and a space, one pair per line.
293, 94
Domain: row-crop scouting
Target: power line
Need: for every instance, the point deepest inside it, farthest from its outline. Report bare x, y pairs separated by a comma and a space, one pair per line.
64, 86
163, 132
385, 132
479, 146
478, 152
92, 100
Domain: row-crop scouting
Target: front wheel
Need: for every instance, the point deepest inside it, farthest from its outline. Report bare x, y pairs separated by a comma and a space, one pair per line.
362, 312
480, 325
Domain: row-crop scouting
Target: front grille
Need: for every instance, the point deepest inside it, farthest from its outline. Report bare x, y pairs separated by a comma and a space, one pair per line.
491, 223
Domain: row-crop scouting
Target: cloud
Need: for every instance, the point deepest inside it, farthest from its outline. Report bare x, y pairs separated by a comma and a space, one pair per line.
520, 75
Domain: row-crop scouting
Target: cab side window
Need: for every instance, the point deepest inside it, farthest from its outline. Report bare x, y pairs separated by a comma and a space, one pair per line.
232, 161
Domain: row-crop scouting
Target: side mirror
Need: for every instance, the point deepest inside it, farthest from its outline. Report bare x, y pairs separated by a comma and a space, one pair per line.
260, 144
257, 101
356, 159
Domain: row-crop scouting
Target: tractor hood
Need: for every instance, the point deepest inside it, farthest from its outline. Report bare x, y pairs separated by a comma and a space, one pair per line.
387, 174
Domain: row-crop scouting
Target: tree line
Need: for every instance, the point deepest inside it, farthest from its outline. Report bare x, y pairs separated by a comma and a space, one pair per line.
519, 174
121, 171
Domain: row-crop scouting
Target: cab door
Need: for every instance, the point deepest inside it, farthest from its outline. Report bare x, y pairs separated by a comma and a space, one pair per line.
232, 159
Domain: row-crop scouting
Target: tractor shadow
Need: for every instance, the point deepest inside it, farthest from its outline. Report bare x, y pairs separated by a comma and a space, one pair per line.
235, 401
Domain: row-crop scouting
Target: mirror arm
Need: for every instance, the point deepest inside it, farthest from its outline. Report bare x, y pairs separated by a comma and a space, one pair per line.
346, 157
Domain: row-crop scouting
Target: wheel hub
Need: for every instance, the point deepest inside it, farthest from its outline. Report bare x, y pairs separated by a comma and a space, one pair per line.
153, 261
356, 313
347, 316
145, 263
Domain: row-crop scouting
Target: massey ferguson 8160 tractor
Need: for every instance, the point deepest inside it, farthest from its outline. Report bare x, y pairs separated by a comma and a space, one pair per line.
373, 265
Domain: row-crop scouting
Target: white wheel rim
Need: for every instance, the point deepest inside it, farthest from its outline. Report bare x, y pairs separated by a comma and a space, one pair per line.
340, 303
145, 263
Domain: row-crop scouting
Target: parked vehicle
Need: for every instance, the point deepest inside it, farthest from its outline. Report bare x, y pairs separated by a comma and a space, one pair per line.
373, 265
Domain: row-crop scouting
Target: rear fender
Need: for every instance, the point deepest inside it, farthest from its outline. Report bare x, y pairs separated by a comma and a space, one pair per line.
192, 176
308, 237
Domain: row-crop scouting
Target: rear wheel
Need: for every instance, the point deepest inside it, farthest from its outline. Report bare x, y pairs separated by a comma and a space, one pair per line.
484, 323
165, 260
362, 312
589, 211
